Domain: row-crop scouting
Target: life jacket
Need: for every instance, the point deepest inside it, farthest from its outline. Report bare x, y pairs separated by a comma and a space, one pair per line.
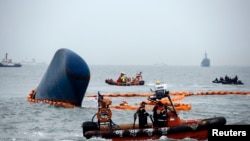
124, 78
160, 110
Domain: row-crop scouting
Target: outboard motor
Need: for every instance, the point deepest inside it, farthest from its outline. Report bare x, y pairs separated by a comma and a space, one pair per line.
160, 92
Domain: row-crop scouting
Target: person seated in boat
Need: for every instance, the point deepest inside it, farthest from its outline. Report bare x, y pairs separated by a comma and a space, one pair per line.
159, 114
142, 114
119, 80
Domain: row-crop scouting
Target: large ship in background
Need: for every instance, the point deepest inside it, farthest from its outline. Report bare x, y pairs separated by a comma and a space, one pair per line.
8, 62
206, 61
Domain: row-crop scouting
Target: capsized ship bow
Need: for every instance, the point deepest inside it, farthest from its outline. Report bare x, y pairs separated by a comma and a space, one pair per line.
65, 80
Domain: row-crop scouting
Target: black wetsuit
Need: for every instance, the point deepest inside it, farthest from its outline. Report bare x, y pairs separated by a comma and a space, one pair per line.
159, 116
142, 114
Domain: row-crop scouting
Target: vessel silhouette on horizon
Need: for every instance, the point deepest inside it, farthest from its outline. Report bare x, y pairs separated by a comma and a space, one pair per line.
6, 62
205, 61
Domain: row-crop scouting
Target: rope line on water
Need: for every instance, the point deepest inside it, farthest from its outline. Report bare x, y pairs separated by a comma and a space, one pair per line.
31, 98
185, 93
175, 96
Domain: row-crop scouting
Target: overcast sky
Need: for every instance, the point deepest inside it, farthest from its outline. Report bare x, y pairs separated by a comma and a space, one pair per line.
128, 32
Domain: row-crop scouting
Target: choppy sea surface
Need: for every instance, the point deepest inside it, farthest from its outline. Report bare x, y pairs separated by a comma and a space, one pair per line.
24, 121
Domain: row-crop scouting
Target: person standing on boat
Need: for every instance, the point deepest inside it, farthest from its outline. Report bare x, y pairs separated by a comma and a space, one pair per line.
142, 114
124, 78
159, 114
138, 77
119, 80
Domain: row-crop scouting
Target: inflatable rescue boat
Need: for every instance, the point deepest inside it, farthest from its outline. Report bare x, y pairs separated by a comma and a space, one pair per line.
124, 80
171, 127
112, 82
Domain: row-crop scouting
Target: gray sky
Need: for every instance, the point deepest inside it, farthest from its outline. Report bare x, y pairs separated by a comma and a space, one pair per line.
128, 32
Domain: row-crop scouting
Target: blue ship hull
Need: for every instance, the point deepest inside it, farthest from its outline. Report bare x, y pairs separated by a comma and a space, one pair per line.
66, 79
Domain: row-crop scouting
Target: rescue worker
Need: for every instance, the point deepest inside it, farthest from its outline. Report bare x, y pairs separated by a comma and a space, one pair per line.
157, 82
124, 78
159, 115
119, 80
138, 77
142, 114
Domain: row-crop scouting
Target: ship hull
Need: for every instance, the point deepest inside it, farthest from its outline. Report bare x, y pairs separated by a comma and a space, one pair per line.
66, 79
10, 65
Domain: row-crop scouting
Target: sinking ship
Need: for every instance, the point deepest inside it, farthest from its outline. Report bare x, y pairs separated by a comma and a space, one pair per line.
65, 81
206, 61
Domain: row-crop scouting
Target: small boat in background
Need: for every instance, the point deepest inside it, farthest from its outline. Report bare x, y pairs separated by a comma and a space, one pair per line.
8, 62
112, 82
123, 80
228, 80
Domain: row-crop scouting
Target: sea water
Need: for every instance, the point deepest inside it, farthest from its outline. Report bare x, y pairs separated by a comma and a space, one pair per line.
21, 120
